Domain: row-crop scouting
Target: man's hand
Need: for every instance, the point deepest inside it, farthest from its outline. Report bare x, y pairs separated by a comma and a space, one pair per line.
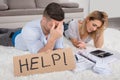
56, 31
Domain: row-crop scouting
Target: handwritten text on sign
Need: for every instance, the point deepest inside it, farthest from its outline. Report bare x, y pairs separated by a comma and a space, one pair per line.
57, 60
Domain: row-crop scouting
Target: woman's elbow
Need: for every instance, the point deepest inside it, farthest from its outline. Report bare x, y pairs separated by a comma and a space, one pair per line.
99, 45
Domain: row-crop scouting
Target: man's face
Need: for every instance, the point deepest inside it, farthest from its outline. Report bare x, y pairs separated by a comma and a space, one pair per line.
50, 23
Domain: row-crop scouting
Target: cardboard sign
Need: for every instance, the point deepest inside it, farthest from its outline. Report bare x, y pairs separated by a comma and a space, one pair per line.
57, 60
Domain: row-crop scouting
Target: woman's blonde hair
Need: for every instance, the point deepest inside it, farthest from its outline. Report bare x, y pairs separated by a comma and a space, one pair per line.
95, 15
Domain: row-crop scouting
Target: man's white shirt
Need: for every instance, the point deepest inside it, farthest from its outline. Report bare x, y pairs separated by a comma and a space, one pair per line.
33, 39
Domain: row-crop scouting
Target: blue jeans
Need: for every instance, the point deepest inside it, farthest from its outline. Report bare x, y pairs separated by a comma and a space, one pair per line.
14, 36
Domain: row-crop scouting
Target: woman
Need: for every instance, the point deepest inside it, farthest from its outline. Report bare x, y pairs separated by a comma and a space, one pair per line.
92, 27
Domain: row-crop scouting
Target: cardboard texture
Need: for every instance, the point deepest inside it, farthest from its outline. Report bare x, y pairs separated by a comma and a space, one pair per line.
57, 60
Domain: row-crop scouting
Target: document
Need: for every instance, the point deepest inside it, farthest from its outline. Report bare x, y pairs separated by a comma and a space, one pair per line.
88, 59
98, 55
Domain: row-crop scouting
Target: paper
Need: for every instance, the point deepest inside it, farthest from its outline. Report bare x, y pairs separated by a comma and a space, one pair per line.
94, 59
86, 60
82, 63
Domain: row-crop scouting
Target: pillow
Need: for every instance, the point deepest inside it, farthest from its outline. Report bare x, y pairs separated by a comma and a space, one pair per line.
21, 4
44, 3
69, 5
3, 5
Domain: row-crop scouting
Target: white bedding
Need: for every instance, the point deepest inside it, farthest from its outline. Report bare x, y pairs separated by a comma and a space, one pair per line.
112, 38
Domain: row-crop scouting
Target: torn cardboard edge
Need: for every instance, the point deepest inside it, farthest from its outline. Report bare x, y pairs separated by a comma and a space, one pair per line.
57, 60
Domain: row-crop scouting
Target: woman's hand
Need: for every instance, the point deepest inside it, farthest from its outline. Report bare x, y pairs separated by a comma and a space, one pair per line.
78, 44
81, 45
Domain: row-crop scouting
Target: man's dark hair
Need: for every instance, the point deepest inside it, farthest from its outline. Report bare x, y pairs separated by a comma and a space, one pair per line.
54, 11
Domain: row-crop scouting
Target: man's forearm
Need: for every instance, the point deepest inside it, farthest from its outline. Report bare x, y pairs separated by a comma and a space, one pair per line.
49, 46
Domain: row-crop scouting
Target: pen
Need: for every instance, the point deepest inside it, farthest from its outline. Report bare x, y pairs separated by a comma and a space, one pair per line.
87, 58
76, 57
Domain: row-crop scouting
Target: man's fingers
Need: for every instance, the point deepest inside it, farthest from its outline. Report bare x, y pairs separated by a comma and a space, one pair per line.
59, 26
53, 26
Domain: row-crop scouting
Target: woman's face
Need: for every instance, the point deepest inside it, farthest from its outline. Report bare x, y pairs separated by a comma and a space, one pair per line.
93, 25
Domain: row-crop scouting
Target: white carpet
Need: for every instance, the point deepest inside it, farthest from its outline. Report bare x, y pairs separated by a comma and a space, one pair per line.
112, 38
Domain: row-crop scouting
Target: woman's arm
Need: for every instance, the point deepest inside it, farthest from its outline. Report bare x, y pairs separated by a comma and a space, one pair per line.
74, 42
78, 44
98, 41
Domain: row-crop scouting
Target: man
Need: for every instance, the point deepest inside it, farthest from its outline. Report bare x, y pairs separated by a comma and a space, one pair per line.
42, 35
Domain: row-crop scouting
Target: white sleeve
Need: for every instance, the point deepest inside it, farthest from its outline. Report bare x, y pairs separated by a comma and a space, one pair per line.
31, 40
59, 43
72, 30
